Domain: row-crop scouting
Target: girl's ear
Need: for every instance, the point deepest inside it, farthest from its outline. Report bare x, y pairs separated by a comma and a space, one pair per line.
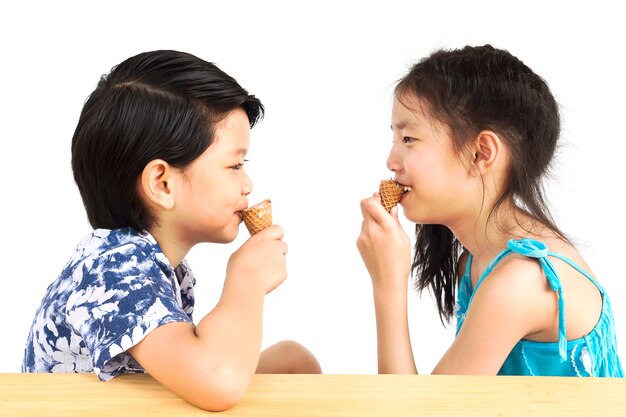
155, 184
486, 150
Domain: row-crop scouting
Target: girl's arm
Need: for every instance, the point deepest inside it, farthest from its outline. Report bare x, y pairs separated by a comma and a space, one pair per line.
514, 302
395, 355
210, 365
385, 249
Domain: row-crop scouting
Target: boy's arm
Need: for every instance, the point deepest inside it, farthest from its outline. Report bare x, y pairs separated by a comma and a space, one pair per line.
210, 365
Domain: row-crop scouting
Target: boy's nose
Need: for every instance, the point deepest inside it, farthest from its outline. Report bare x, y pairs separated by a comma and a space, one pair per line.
247, 185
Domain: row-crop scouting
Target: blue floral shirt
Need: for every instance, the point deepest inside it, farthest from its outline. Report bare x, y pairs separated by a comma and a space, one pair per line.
117, 288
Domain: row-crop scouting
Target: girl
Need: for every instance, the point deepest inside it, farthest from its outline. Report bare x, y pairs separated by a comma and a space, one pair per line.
158, 157
474, 132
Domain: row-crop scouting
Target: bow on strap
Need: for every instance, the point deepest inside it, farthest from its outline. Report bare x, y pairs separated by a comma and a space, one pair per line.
539, 250
528, 247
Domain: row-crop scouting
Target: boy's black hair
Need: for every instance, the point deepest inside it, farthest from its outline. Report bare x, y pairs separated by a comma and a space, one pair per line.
156, 105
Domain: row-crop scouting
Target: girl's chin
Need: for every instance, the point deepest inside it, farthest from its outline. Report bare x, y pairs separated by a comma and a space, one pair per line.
413, 215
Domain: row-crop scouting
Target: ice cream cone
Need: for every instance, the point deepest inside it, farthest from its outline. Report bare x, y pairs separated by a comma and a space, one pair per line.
258, 217
390, 194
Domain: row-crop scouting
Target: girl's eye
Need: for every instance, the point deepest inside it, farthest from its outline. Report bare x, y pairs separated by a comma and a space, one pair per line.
239, 166
405, 139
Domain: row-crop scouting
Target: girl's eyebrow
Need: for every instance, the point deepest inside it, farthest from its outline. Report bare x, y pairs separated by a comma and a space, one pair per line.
402, 124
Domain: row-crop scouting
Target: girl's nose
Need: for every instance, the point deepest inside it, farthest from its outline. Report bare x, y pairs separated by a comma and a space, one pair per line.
393, 160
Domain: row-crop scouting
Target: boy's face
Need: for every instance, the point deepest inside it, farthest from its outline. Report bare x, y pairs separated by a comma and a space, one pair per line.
210, 200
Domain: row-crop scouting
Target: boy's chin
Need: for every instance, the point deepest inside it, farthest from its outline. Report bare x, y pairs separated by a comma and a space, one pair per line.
227, 236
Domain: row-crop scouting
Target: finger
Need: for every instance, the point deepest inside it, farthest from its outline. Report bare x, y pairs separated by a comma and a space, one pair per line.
278, 246
364, 227
367, 216
273, 232
376, 210
363, 236
394, 213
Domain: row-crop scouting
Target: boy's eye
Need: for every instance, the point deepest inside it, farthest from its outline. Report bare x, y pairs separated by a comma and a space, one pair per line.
239, 165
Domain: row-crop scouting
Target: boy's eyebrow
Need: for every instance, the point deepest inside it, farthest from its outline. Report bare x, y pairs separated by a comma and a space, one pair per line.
240, 151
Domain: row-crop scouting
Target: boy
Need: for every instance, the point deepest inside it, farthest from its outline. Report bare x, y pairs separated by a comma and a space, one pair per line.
158, 158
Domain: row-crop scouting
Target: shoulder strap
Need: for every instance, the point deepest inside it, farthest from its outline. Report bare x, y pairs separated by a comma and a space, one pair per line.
578, 268
535, 249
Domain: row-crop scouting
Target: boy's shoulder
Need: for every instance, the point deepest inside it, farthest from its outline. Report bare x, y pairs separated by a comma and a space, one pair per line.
103, 241
117, 249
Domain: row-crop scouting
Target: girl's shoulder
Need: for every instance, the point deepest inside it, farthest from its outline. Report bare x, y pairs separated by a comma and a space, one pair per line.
557, 244
519, 272
560, 248
520, 267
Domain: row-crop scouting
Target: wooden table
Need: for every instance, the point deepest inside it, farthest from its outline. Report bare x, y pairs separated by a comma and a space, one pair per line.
71, 395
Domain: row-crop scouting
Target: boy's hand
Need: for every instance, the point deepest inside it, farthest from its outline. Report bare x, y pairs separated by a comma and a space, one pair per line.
261, 258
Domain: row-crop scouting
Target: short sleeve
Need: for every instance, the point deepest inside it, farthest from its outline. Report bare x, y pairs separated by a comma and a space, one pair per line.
123, 295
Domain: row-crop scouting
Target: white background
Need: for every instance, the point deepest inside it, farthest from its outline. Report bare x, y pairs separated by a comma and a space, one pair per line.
325, 72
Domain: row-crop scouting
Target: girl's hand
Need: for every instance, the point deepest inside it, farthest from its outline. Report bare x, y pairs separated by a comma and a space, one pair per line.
384, 246
386, 251
261, 258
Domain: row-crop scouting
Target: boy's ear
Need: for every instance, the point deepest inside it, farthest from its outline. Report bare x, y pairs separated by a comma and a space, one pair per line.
155, 184
486, 149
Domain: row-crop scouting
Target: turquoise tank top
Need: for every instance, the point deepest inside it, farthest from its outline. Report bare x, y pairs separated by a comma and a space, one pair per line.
592, 355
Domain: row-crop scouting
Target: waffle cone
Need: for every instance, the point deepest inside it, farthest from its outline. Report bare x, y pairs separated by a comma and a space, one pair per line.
258, 217
390, 194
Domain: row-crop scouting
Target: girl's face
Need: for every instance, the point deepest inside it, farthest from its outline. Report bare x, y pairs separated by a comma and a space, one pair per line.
423, 158
214, 188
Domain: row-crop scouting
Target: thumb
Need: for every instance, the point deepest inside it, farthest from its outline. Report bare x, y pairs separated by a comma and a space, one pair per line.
394, 213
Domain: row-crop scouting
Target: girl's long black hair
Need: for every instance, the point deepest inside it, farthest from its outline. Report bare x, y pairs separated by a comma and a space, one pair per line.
469, 90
